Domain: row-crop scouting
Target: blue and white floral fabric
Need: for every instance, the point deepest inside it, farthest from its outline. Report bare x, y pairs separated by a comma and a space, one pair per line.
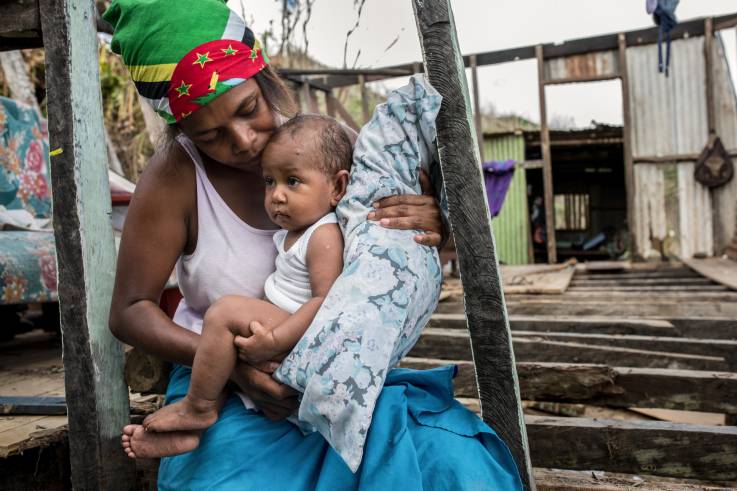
389, 287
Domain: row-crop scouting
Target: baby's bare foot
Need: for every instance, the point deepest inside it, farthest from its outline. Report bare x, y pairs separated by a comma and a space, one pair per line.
185, 415
140, 444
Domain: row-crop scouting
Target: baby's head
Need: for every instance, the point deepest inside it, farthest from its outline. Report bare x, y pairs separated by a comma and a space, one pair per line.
305, 167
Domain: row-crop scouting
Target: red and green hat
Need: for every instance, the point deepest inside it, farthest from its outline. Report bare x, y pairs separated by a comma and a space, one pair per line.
183, 54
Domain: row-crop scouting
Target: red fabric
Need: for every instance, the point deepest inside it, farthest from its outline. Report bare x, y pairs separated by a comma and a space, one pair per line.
211, 69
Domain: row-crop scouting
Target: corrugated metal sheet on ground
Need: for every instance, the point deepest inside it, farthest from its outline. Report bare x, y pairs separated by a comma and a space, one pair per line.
669, 118
511, 226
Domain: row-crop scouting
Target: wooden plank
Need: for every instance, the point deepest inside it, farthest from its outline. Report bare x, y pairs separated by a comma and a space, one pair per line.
454, 344
722, 271
573, 80
19, 16
568, 480
707, 347
342, 111
365, 113
629, 167
584, 281
648, 288
471, 226
93, 359
634, 307
599, 325
601, 385
32, 432
33, 405
665, 449
547, 159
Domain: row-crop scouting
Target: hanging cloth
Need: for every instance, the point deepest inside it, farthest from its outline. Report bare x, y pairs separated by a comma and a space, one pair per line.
498, 176
664, 15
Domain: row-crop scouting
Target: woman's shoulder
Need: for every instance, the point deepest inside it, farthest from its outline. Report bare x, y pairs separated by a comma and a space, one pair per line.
169, 175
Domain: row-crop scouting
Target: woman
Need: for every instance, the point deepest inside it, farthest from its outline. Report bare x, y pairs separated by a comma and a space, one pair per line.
198, 206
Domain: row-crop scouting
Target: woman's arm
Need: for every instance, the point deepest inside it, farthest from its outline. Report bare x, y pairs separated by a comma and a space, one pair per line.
154, 237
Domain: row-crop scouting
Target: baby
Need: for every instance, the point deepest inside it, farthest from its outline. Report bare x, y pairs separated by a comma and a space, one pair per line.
306, 169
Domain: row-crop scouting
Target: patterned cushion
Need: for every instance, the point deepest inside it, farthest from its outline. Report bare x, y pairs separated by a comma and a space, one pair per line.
27, 259
24, 159
27, 267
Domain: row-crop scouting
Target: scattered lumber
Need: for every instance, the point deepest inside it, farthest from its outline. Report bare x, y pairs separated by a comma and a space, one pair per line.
720, 270
653, 447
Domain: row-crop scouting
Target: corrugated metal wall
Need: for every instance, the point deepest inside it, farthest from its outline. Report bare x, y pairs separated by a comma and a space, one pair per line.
511, 227
672, 210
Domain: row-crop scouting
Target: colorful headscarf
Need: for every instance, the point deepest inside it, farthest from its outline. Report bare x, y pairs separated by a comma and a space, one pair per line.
183, 54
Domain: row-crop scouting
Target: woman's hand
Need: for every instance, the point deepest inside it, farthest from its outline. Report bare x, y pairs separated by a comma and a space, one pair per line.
412, 212
276, 400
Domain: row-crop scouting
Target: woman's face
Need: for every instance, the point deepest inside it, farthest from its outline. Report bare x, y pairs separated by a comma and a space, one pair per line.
234, 128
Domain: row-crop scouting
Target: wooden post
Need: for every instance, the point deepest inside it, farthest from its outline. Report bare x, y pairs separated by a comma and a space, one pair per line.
477, 107
364, 99
629, 167
341, 111
709, 66
309, 99
471, 225
330, 103
16, 75
547, 159
96, 394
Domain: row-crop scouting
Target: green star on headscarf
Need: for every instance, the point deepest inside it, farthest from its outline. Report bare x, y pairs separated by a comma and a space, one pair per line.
202, 59
183, 89
229, 50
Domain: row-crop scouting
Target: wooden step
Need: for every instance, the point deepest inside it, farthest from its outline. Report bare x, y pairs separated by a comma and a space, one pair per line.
455, 344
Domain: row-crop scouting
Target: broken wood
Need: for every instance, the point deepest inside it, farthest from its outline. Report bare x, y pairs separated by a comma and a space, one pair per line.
470, 220
650, 447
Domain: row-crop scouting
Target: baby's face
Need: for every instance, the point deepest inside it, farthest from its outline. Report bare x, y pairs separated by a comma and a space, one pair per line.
297, 192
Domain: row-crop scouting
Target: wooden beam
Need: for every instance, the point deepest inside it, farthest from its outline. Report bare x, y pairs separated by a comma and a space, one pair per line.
547, 159
605, 42
652, 447
46, 405
579, 324
576, 80
709, 75
342, 111
454, 344
601, 385
93, 360
19, 16
629, 167
471, 226
364, 99
707, 347
669, 159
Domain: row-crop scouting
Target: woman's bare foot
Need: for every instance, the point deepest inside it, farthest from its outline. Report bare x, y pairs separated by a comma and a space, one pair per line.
184, 415
140, 444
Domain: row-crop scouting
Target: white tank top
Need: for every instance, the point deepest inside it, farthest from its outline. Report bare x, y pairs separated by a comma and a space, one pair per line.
231, 257
289, 286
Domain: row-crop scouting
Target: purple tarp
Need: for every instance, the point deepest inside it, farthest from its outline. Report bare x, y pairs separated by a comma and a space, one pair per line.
497, 177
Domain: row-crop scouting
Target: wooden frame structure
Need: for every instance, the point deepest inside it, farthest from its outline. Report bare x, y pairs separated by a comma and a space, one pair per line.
96, 394
576, 51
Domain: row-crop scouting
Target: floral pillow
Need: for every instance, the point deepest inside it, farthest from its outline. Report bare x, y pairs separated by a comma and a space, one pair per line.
389, 287
24, 163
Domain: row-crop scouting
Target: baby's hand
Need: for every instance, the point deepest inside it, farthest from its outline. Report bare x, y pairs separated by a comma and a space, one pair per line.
260, 346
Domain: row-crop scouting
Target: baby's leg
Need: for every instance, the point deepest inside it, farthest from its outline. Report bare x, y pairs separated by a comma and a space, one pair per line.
214, 362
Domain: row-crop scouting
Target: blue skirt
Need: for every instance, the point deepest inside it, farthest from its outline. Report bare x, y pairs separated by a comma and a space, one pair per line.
421, 438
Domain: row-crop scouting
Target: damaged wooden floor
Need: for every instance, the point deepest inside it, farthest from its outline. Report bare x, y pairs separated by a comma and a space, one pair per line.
634, 367
637, 393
